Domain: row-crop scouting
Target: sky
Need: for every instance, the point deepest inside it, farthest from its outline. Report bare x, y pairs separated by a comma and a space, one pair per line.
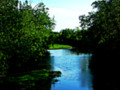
66, 12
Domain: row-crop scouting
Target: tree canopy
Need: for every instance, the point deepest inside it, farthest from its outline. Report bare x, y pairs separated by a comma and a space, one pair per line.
24, 33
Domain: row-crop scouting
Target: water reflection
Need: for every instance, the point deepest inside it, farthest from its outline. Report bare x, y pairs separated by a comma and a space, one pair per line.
105, 68
28, 81
75, 72
38, 86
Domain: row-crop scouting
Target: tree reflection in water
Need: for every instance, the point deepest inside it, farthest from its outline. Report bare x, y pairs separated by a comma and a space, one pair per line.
29, 85
38, 79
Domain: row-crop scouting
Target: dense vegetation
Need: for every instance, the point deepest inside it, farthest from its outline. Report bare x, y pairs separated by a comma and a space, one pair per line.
99, 29
24, 34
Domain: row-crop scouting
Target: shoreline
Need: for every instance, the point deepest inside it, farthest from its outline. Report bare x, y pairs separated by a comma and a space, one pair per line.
58, 46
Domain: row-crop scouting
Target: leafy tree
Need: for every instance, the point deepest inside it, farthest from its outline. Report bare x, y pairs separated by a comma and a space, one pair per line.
103, 25
24, 34
104, 36
65, 36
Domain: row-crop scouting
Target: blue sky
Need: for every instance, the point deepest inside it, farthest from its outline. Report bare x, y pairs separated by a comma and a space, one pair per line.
66, 12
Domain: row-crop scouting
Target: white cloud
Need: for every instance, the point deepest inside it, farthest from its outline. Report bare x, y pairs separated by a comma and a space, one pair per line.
33, 5
66, 14
62, 12
65, 18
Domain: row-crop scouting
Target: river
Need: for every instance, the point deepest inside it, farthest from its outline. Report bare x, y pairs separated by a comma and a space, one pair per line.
74, 68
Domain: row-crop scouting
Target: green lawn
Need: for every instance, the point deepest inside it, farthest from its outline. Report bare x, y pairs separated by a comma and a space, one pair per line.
59, 46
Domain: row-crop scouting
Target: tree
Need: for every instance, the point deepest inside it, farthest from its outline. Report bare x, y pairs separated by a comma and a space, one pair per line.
24, 34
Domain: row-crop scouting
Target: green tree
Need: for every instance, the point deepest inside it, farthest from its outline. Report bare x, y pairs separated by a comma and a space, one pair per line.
24, 33
102, 25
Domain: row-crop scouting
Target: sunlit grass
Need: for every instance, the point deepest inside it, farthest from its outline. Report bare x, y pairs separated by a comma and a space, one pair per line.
59, 46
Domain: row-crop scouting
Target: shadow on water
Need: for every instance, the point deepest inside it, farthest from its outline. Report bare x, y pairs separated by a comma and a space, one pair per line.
29, 85
105, 68
76, 74
40, 78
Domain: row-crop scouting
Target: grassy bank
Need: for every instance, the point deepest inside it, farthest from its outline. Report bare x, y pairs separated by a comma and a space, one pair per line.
59, 46
34, 78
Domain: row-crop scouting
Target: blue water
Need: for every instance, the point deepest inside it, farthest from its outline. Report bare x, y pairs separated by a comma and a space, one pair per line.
74, 67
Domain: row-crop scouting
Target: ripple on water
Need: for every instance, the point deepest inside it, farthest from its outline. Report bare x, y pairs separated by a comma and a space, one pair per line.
75, 72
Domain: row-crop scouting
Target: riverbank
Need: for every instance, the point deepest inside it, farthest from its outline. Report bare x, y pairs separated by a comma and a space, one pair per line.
29, 79
59, 46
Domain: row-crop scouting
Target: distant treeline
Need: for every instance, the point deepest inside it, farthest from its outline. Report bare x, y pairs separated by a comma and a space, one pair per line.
24, 34
100, 29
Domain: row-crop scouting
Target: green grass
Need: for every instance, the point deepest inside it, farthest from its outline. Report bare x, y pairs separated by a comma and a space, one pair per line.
59, 46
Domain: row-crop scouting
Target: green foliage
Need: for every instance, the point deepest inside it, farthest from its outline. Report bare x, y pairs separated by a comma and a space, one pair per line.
24, 33
64, 36
102, 26
74, 37
102, 37
98, 28
31, 78
36, 79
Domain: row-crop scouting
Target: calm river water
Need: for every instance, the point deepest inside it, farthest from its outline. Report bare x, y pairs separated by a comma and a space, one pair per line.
75, 74
74, 67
